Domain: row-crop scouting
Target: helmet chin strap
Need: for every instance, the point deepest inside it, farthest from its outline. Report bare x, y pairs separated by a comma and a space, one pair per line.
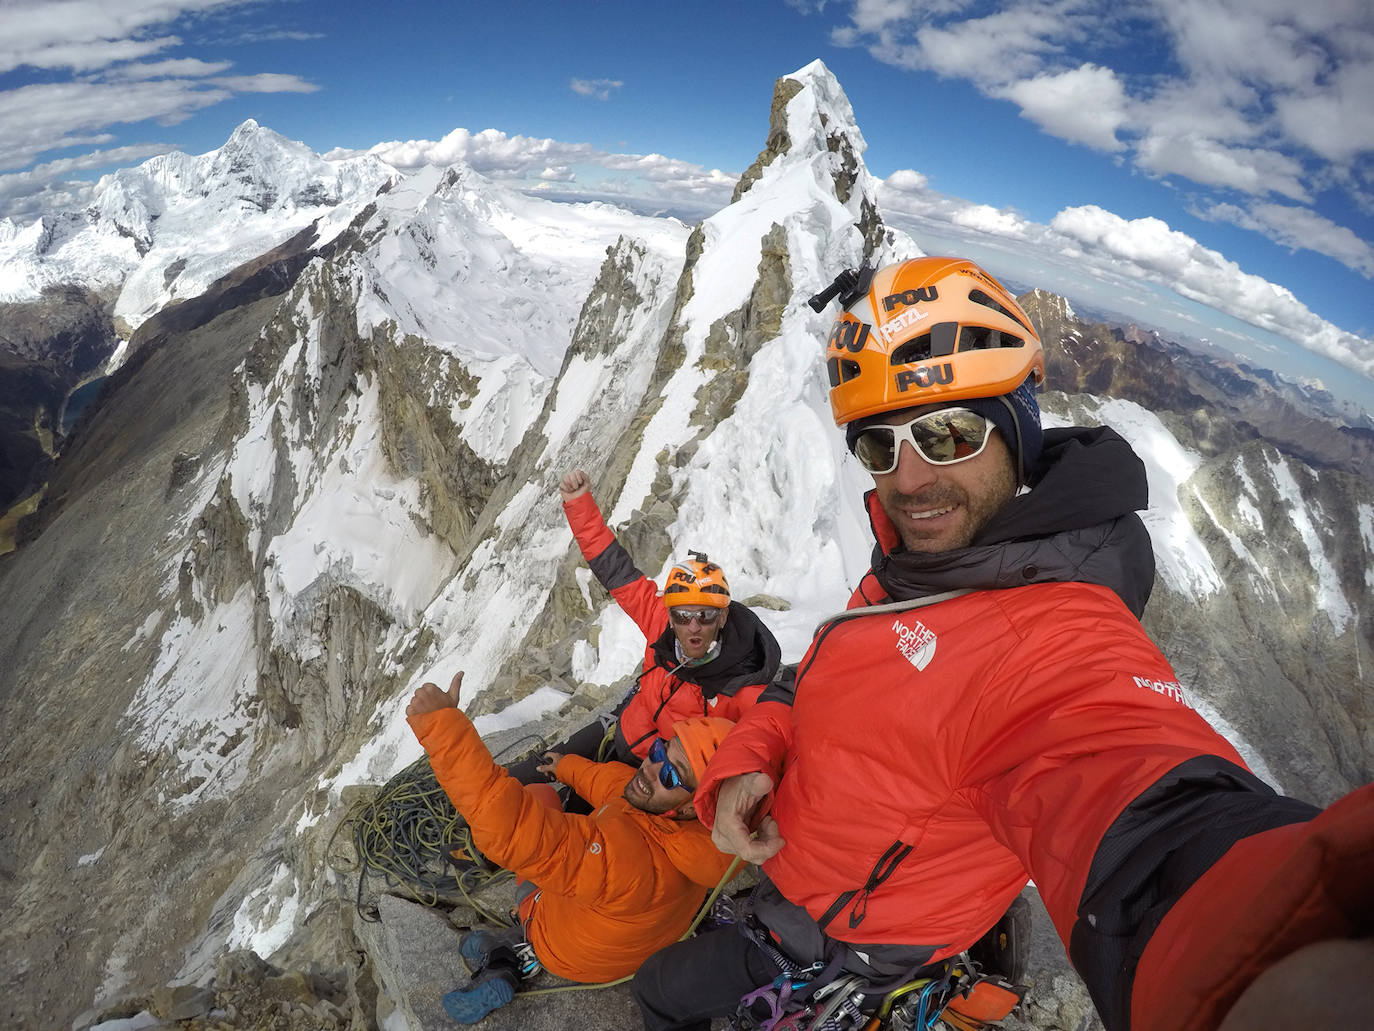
676, 812
712, 650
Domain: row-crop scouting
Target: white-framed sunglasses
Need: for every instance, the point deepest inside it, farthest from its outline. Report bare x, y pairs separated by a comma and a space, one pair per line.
947, 436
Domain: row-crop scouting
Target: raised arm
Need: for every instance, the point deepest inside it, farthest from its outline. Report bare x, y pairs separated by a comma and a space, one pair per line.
511, 827
609, 562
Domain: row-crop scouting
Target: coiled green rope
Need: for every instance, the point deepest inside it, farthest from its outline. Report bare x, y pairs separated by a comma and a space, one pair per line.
405, 835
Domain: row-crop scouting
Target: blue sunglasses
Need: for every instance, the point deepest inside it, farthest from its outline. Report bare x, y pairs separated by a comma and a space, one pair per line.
667, 772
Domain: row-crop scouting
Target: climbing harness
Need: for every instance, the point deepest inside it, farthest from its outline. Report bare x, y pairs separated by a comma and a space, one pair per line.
959, 999
971, 991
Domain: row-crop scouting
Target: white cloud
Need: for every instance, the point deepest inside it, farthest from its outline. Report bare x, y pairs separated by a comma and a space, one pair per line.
936, 35
490, 151
660, 169
73, 33
94, 52
183, 68
601, 89
501, 156
1265, 97
265, 82
50, 116
1086, 105
907, 180
995, 221
1212, 163
906, 191
1151, 249
1336, 121
1299, 229
90, 55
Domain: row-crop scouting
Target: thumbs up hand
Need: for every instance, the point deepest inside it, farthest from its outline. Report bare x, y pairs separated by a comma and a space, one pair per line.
431, 698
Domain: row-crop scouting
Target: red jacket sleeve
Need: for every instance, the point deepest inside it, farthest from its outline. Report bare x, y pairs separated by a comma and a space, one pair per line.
611, 565
1268, 896
758, 743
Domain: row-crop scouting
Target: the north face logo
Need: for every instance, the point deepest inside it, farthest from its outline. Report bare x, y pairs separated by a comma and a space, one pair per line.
1170, 689
915, 642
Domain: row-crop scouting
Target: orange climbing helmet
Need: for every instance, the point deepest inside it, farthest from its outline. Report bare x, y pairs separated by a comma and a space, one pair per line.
924, 331
698, 581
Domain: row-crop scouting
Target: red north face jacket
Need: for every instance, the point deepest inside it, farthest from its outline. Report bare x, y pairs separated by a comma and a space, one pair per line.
931, 758
996, 733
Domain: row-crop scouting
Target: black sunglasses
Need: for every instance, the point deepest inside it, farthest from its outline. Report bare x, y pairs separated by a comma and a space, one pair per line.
667, 772
683, 616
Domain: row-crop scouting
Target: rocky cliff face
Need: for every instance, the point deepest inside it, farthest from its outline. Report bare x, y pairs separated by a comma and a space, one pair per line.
333, 476
1292, 544
48, 347
1263, 622
76, 285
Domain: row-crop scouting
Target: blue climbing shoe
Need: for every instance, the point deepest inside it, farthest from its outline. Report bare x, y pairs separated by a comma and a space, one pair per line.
491, 991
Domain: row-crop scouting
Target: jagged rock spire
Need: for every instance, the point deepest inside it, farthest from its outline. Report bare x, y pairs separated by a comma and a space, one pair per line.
811, 116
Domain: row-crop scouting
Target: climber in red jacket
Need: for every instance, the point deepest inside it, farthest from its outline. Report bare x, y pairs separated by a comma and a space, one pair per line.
989, 708
705, 655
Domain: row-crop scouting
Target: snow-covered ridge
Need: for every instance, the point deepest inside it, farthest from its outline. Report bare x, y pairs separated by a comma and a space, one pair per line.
453, 283
164, 230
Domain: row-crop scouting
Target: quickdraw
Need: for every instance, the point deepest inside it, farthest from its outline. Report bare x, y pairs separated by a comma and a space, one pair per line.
960, 999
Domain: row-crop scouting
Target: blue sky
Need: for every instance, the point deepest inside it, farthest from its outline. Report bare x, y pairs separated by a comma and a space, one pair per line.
1209, 163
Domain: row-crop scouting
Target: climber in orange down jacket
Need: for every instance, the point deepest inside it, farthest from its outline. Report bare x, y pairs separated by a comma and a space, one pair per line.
705, 655
612, 886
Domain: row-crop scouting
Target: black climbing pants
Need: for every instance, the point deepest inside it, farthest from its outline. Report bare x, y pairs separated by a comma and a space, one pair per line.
682, 987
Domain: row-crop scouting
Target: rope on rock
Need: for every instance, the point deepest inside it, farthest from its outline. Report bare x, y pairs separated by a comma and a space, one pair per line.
405, 834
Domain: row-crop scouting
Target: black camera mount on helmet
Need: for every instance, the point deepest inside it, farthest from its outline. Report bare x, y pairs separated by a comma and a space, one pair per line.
849, 286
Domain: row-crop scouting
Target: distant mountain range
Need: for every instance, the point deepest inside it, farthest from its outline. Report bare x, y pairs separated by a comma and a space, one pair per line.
1225, 402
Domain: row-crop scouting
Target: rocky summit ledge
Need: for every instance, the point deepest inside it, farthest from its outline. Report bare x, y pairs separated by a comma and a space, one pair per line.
415, 951
406, 961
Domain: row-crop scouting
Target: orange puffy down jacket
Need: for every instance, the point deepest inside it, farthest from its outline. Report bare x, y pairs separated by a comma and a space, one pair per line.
615, 885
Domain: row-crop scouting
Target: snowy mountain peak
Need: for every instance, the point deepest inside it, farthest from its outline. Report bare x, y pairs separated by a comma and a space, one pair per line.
1048, 305
246, 129
824, 114
811, 122
256, 155
164, 230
